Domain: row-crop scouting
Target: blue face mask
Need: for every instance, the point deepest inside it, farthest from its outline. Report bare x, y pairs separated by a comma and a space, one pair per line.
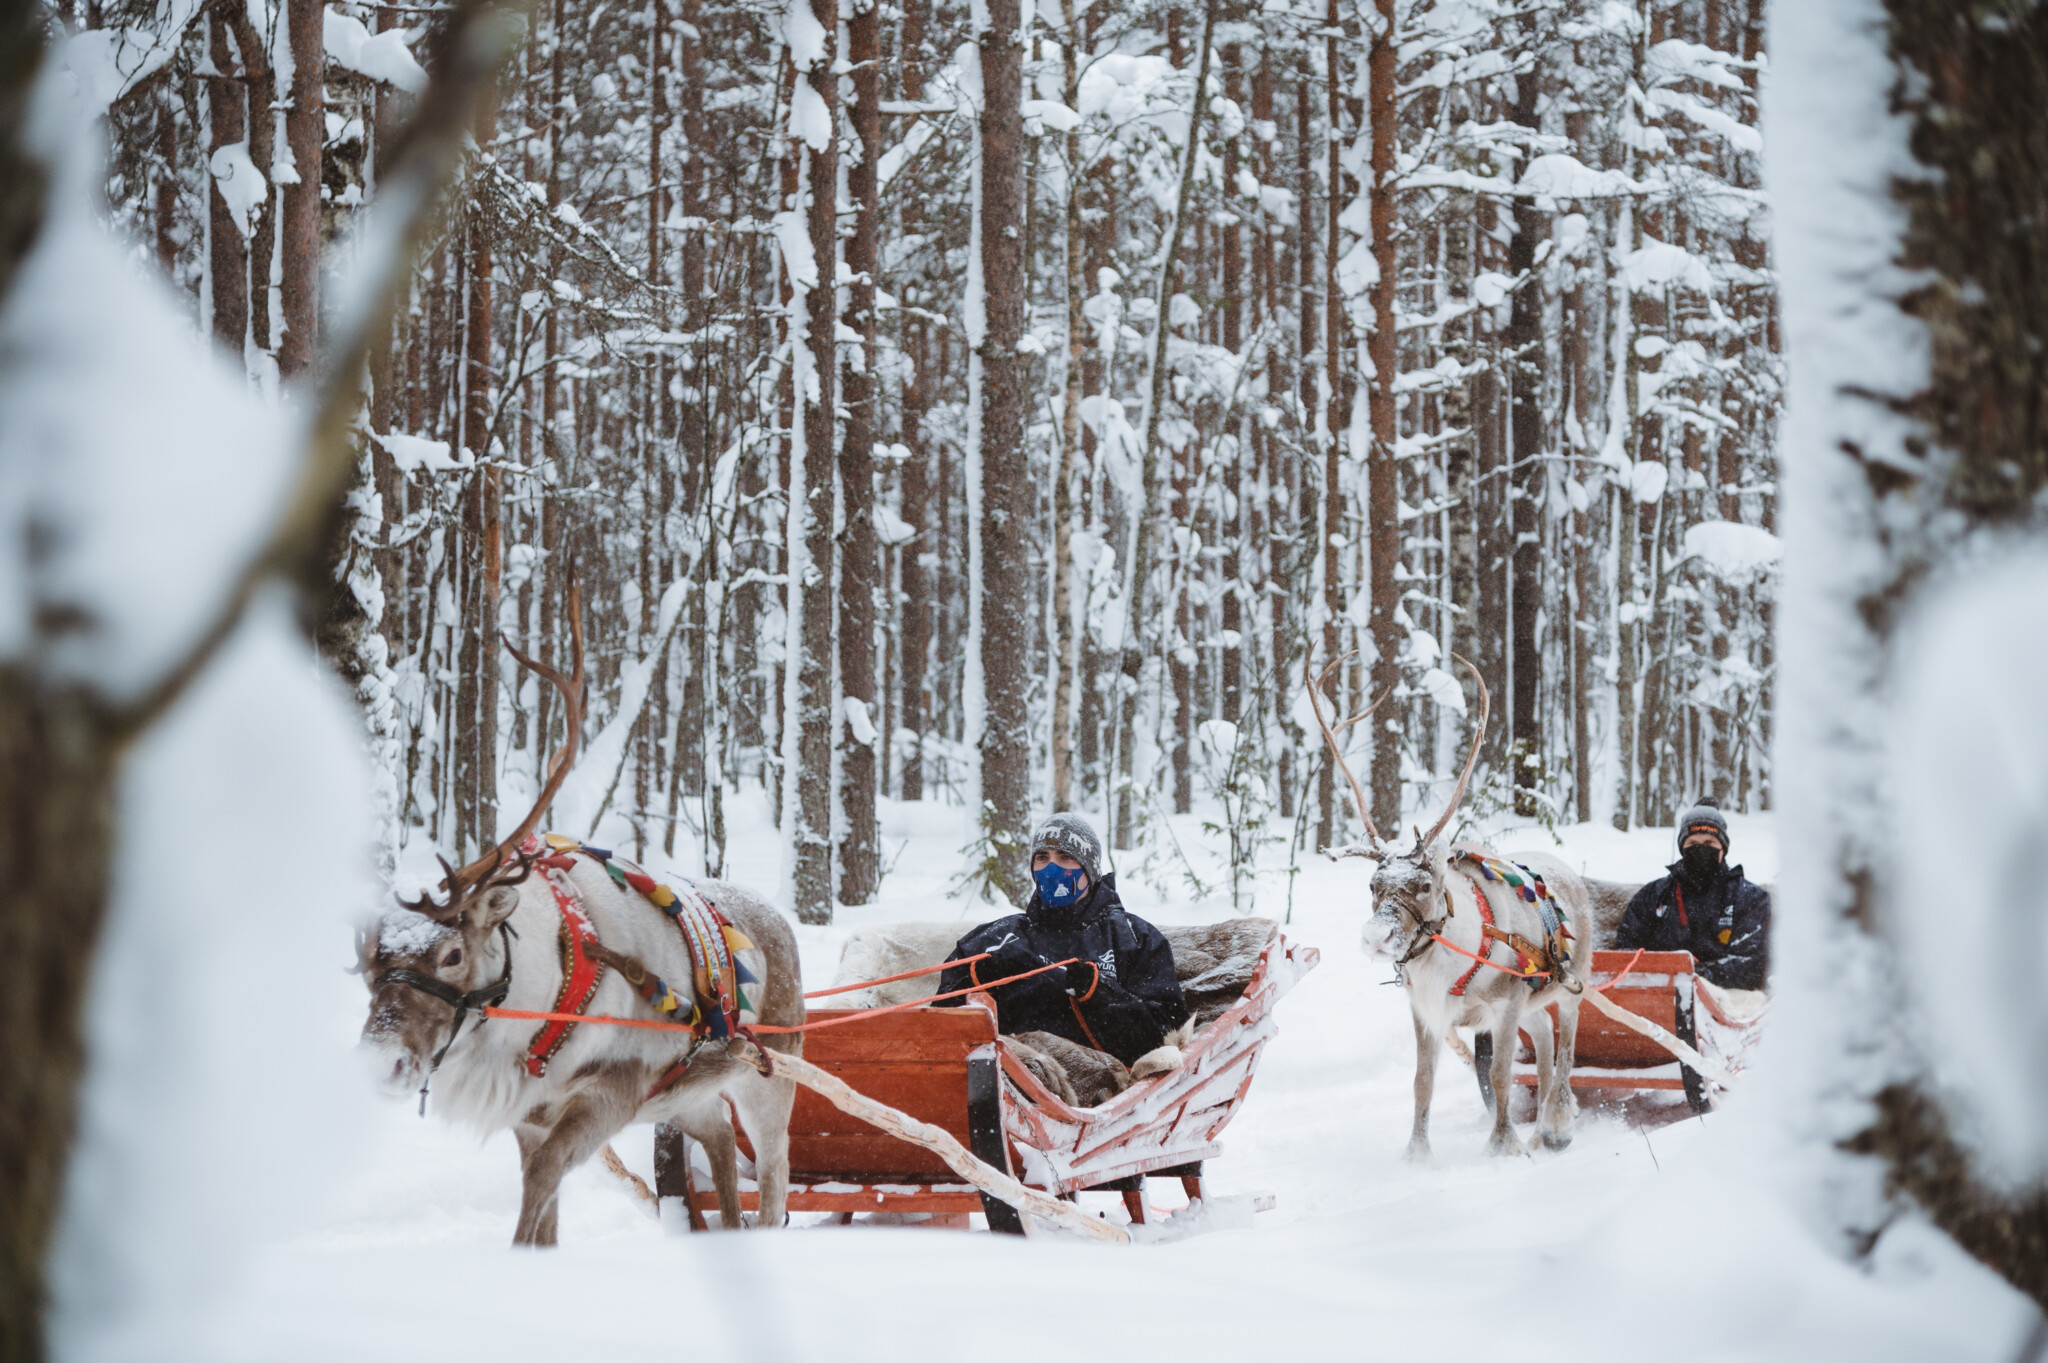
1059, 886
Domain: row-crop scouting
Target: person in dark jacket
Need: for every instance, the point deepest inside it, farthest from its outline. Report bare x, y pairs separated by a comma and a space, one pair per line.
1704, 906
1119, 996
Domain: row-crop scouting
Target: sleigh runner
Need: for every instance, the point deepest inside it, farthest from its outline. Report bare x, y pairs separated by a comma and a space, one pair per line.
950, 1068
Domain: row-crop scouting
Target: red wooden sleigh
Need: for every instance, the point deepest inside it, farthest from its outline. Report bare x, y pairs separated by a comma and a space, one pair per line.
948, 1066
1661, 987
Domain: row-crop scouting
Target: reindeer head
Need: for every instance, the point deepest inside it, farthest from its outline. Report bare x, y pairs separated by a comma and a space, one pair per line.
427, 966
435, 961
1407, 887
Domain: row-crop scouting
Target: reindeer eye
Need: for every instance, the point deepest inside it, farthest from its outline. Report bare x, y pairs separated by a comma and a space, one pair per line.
453, 958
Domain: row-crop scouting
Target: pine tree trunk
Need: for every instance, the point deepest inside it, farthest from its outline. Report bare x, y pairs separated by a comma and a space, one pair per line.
1065, 646
807, 748
1231, 534
490, 497
305, 129
1383, 516
859, 553
1007, 608
1526, 480
1336, 414
260, 86
227, 124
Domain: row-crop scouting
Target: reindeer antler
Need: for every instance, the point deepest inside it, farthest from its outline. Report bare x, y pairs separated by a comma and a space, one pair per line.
1423, 840
1329, 735
484, 868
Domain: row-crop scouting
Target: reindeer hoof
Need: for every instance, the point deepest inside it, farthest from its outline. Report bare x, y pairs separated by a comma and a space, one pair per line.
1507, 1144
1556, 1140
1418, 1151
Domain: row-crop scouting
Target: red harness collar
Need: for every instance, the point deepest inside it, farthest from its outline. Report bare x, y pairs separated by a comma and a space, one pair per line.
1485, 941
580, 970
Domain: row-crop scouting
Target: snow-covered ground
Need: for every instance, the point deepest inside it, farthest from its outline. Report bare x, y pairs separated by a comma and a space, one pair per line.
1654, 1239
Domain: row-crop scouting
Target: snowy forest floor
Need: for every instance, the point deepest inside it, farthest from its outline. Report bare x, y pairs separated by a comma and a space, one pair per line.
1644, 1230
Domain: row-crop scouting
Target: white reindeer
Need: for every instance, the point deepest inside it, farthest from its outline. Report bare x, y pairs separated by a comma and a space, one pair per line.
1427, 920
499, 939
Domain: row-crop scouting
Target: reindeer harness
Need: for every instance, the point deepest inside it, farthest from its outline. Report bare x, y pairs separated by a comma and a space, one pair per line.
1534, 962
724, 960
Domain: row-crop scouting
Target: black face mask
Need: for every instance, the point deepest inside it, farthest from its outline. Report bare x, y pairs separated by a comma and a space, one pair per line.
1702, 860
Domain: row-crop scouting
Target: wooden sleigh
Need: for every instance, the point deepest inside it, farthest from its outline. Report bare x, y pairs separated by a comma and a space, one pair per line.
1660, 986
949, 1067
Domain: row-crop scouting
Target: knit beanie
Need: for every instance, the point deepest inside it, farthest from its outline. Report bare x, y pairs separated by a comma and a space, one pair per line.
1704, 817
1071, 834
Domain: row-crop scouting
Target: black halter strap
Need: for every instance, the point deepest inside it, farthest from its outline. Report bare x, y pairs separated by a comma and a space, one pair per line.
488, 996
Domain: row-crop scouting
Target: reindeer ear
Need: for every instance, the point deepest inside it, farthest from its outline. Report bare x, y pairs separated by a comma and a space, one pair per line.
490, 908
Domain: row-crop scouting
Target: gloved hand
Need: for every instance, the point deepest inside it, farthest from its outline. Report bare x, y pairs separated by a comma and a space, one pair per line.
1010, 957
1079, 977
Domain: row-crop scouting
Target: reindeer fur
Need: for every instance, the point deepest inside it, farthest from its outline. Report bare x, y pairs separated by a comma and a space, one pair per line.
595, 1084
1409, 889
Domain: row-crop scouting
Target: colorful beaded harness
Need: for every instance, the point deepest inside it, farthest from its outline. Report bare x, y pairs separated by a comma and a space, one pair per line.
1537, 963
724, 960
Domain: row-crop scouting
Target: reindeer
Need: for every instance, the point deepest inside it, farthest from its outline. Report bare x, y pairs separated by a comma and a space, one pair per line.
498, 938
1427, 896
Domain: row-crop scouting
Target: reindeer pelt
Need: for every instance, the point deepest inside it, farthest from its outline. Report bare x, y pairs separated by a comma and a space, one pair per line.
1085, 1077
596, 1084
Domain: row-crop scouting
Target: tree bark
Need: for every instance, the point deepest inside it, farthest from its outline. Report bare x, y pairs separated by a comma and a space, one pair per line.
1336, 412
305, 130
1065, 644
812, 600
1007, 496
1383, 516
1526, 476
260, 83
859, 554
227, 124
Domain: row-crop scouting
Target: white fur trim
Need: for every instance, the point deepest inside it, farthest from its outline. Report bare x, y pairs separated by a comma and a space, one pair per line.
1161, 1060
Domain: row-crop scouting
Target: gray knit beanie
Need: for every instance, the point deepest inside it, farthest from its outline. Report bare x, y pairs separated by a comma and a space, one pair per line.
1704, 817
1071, 834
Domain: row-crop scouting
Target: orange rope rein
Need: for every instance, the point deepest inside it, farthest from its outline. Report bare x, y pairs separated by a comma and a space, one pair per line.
1444, 941
891, 979
528, 1015
1620, 974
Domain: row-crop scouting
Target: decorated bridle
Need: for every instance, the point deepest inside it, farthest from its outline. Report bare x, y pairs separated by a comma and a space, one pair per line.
475, 1000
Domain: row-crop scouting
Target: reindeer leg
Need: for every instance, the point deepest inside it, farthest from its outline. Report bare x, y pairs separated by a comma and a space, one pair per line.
1567, 1056
588, 1120
1504, 1141
1551, 1124
715, 1135
763, 1106
1426, 1045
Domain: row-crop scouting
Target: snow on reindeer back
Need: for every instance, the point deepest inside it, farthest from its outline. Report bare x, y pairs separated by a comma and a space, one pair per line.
137, 474
1969, 773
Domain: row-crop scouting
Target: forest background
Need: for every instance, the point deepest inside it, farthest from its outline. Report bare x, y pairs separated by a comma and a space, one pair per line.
1469, 348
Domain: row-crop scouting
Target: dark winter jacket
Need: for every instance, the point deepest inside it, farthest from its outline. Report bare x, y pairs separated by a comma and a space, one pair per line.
1124, 997
1726, 926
